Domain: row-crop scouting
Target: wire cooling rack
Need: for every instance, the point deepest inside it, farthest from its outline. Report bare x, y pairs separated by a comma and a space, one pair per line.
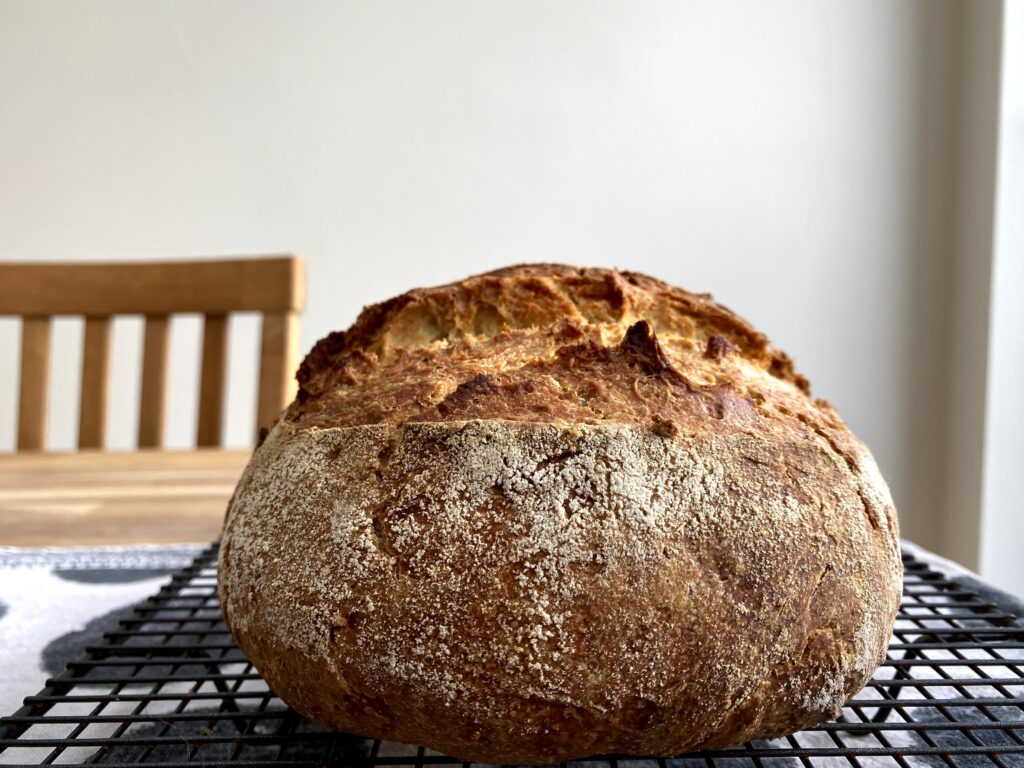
168, 686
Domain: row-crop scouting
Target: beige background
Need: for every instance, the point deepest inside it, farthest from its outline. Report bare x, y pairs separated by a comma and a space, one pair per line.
799, 160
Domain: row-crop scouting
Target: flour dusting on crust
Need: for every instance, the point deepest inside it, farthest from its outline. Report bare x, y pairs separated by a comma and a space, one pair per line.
477, 569
548, 512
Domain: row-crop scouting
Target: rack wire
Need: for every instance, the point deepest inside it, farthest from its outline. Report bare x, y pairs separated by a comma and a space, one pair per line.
169, 687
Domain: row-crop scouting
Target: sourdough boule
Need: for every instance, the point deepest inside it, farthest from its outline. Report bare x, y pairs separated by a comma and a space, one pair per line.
548, 512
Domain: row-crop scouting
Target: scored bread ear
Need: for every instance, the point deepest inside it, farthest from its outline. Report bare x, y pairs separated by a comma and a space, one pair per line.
311, 374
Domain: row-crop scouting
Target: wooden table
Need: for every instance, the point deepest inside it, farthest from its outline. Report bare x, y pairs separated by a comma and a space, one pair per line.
92, 498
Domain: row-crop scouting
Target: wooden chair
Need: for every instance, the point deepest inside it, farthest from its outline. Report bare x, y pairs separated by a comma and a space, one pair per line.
273, 286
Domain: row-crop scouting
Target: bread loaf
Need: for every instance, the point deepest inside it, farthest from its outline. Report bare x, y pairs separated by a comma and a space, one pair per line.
548, 512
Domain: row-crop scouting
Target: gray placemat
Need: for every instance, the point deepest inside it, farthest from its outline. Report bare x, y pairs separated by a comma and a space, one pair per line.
56, 601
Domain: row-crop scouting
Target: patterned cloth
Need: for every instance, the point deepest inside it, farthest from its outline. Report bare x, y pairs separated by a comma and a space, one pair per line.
55, 602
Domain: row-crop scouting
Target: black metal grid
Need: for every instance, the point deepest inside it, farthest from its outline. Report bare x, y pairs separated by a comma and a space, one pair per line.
168, 686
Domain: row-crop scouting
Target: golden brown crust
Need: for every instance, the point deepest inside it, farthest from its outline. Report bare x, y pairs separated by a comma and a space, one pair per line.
548, 512
544, 343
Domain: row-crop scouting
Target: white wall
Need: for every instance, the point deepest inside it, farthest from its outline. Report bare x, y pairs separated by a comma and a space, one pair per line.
969, 337
1002, 530
796, 159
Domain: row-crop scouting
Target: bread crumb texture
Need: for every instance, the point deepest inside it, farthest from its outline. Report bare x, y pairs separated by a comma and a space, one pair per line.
550, 512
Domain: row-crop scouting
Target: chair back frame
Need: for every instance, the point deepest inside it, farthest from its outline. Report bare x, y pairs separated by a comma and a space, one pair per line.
273, 286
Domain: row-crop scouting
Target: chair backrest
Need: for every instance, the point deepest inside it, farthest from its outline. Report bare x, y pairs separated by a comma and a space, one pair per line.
274, 286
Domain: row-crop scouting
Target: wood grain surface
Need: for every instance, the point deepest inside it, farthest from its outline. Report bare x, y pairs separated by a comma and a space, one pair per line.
94, 498
209, 286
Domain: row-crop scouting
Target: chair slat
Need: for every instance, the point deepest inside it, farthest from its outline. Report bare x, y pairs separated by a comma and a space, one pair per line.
279, 351
92, 412
35, 383
211, 388
154, 382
